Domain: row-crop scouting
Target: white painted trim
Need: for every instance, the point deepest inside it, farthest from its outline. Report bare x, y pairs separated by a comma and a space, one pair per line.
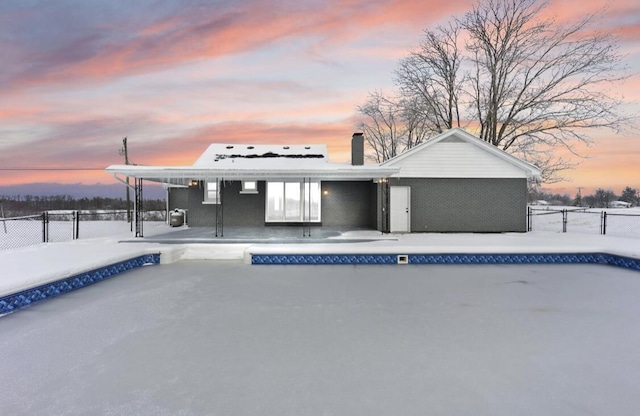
181, 175
407, 212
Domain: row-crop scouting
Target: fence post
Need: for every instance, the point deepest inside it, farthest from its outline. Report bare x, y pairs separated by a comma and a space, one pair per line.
604, 222
564, 220
76, 225
45, 227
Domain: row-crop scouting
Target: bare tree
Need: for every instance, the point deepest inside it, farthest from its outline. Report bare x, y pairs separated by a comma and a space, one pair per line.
629, 195
416, 127
603, 197
537, 85
390, 126
430, 78
532, 85
380, 122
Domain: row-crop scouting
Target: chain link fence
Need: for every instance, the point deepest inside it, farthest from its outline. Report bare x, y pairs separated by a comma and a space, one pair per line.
584, 220
61, 226
624, 225
21, 231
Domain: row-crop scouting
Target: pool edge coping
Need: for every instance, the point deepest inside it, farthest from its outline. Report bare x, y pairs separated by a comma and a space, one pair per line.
24, 297
417, 258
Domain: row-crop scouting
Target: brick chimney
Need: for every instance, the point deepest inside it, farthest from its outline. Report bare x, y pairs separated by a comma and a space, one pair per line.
357, 149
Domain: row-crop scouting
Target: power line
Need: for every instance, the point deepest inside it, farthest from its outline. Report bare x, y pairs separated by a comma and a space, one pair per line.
70, 169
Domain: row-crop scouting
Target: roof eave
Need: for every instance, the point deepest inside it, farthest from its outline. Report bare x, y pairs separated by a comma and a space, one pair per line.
164, 174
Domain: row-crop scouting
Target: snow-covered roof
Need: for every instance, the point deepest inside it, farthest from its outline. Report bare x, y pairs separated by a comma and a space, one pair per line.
253, 155
458, 154
256, 162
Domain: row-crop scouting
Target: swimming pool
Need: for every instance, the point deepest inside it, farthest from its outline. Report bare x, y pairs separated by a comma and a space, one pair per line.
228, 338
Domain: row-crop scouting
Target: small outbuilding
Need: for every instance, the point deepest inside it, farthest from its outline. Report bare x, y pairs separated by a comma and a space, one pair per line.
454, 182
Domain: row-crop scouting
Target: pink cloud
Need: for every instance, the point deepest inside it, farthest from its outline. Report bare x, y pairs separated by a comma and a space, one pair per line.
66, 152
90, 130
196, 34
186, 149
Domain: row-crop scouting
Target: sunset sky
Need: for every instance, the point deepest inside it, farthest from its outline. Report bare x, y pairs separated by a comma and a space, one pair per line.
174, 76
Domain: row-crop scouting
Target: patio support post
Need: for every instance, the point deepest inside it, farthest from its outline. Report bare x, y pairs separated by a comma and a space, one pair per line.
309, 204
135, 191
386, 202
217, 200
219, 207
306, 198
138, 208
304, 225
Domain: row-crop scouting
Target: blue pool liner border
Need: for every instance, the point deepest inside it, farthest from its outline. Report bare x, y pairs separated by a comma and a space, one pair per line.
15, 301
451, 258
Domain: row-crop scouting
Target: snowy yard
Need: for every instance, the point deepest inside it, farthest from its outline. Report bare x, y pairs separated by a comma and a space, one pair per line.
199, 337
623, 222
23, 233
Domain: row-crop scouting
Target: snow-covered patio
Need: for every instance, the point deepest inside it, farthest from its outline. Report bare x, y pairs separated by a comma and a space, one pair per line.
203, 337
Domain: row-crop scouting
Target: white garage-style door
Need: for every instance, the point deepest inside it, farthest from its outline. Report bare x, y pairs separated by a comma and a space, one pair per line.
400, 213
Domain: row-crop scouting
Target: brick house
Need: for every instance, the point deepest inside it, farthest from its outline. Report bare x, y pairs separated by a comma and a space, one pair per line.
451, 183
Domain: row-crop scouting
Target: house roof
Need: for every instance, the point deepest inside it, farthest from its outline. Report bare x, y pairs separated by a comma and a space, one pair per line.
256, 162
452, 154
233, 155
459, 154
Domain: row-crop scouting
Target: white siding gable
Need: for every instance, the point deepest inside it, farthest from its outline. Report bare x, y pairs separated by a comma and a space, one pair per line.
456, 160
455, 157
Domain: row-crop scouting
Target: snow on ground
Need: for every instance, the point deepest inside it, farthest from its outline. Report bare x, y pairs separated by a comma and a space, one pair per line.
201, 337
620, 222
28, 267
28, 232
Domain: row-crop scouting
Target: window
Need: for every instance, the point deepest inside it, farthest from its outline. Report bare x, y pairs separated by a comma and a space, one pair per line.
211, 194
249, 187
293, 202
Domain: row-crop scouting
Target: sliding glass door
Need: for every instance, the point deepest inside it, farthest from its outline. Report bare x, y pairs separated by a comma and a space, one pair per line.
293, 201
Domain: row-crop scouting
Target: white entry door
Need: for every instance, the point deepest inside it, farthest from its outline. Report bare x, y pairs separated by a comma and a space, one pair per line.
400, 213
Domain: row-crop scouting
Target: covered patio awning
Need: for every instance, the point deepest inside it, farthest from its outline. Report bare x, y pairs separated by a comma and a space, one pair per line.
182, 175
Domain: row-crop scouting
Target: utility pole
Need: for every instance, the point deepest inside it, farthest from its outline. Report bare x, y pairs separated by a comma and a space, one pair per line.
579, 196
125, 152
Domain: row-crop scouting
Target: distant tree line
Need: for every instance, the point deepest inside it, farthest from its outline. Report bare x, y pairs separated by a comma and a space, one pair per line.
20, 205
601, 198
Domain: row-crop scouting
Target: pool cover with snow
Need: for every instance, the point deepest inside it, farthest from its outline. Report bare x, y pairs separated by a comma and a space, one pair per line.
195, 338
